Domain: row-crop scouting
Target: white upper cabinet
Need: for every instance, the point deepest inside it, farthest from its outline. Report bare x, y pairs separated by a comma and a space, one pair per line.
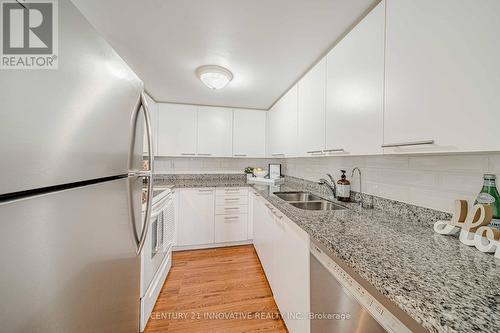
442, 75
177, 128
283, 125
215, 132
354, 93
311, 111
249, 133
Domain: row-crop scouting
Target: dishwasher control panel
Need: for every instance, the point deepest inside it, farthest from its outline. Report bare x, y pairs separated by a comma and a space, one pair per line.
377, 310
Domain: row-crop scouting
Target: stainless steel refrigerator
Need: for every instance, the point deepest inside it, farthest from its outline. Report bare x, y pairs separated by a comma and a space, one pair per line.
71, 228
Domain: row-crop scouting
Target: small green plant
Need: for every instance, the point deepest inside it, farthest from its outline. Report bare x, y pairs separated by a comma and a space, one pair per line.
248, 170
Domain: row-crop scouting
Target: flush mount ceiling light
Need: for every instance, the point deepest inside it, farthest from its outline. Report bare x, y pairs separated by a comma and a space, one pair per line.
214, 77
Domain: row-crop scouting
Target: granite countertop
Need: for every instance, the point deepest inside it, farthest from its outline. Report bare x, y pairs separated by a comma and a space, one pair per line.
441, 283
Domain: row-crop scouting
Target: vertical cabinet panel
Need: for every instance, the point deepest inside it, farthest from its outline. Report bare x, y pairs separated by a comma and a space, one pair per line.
249, 137
215, 132
196, 217
442, 75
355, 79
177, 127
283, 125
311, 111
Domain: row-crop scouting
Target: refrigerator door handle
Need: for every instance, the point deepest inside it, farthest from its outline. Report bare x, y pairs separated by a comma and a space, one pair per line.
142, 105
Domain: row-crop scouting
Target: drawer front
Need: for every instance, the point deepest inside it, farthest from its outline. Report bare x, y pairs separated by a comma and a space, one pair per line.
232, 200
232, 191
231, 228
222, 210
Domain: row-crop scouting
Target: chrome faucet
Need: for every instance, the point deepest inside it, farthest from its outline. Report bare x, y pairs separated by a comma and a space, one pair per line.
331, 185
368, 205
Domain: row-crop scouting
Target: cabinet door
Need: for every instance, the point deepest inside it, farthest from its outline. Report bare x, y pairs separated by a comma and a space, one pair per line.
215, 132
196, 216
283, 126
249, 133
291, 270
355, 82
176, 130
311, 111
263, 236
442, 75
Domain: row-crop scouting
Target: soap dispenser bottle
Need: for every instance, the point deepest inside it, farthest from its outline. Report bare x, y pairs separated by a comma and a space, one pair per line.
343, 188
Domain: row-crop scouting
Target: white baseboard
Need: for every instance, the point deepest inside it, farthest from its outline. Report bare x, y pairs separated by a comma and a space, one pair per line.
209, 246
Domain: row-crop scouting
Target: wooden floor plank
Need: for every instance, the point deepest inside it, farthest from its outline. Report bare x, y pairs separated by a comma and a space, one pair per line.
216, 290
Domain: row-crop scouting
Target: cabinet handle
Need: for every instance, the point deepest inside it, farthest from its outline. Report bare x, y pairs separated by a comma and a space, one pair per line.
232, 199
336, 150
204, 154
278, 154
411, 143
314, 151
240, 155
231, 208
231, 218
188, 154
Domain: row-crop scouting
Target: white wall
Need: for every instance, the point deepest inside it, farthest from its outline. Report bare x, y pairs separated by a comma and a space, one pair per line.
182, 165
428, 181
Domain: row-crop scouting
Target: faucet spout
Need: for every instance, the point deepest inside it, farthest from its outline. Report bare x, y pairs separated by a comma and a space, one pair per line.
331, 186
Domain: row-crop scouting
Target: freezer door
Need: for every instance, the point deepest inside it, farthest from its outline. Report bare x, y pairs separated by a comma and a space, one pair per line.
69, 261
70, 124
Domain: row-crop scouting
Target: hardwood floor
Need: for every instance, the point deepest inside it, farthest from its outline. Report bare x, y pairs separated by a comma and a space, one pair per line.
216, 290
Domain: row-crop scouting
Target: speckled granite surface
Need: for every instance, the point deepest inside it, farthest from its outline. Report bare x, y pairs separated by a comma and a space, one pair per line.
442, 284
200, 180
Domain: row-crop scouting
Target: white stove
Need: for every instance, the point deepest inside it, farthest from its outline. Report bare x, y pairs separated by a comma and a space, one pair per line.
156, 257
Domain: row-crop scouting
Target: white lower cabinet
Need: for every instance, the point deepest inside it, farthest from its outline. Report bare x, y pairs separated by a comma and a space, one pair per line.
283, 250
209, 216
196, 216
230, 228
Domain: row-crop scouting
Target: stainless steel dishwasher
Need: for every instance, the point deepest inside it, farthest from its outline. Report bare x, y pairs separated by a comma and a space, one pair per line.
339, 304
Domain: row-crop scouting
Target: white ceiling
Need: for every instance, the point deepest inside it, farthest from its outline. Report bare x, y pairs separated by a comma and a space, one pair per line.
267, 44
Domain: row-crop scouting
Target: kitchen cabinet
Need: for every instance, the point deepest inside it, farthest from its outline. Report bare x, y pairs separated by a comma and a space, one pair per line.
283, 125
291, 272
177, 129
196, 217
354, 88
263, 230
442, 75
215, 132
311, 111
283, 250
249, 133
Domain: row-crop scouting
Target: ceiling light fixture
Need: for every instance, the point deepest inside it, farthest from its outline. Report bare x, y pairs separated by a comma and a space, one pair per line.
214, 77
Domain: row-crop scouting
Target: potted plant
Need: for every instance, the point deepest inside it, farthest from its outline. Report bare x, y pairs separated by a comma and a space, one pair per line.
249, 172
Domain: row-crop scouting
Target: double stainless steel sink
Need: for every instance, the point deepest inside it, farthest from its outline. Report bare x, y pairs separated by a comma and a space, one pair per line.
307, 201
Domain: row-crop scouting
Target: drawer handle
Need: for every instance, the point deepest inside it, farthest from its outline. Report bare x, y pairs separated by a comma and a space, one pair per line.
232, 199
240, 155
204, 154
278, 154
231, 218
412, 143
336, 150
232, 208
188, 154
314, 151
206, 191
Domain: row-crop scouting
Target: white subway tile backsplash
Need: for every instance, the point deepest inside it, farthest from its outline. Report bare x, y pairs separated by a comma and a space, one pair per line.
459, 163
432, 181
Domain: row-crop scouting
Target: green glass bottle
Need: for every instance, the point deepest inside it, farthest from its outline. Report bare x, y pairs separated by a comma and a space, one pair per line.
489, 196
